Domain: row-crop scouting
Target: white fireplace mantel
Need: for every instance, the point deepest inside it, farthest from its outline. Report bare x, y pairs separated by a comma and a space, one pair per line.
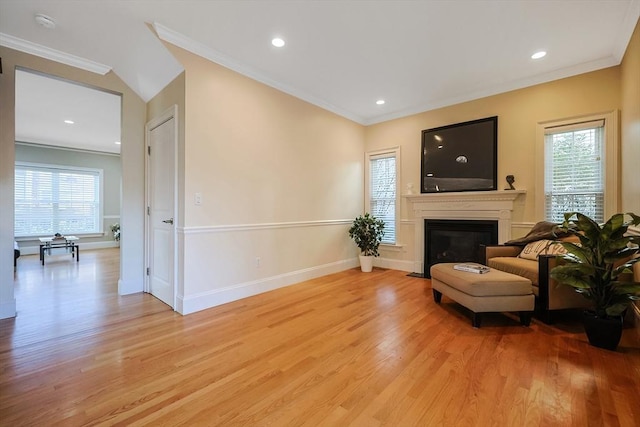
468, 205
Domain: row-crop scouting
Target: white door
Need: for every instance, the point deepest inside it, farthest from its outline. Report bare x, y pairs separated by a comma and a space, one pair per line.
161, 154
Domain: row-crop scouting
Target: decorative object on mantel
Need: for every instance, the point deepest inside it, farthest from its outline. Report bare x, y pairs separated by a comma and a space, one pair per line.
367, 232
594, 268
510, 180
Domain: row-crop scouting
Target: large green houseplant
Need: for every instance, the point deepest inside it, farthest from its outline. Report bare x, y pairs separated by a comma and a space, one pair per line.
595, 267
367, 232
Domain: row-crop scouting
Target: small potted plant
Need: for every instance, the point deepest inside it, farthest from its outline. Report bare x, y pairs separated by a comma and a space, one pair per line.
367, 232
594, 268
115, 230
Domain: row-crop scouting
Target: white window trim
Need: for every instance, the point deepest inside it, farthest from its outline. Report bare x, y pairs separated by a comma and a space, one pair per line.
611, 153
367, 188
101, 231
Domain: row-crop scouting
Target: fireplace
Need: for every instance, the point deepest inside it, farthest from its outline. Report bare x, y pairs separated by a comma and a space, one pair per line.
456, 240
497, 206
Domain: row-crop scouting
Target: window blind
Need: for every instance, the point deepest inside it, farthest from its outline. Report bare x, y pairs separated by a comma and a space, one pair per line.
382, 172
574, 170
51, 200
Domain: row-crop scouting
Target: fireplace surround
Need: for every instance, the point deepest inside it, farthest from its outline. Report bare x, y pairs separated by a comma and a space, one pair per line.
495, 206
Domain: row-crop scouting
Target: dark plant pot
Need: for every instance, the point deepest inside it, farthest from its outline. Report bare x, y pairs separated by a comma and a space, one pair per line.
603, 332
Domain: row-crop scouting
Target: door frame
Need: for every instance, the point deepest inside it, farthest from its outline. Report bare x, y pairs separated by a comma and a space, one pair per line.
168, 114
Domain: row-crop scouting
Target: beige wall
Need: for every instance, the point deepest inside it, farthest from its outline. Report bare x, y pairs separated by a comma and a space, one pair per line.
630, 118
280, 180
518, 114
132, 155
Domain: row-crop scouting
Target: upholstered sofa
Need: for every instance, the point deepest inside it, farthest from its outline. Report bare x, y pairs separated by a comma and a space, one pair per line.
549, 294
534, 256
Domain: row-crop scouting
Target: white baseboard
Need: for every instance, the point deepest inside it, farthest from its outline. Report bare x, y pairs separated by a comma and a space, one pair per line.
394, 264
8, 309
35, 250
201, 301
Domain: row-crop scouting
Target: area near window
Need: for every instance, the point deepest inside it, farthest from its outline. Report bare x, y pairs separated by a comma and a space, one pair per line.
52, 199
574, 170
579, 167
382, 190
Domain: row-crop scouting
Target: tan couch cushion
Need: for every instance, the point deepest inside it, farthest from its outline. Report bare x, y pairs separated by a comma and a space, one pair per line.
494, 283
514, 265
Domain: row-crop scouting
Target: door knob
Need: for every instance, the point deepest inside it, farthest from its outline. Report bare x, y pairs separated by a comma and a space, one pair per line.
168, 221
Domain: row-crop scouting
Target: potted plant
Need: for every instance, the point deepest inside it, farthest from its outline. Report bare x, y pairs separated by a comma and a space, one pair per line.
594, 268
367, 232
115, 230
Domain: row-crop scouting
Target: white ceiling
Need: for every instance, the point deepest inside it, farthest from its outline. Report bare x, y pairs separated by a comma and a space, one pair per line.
43, 104
340, 55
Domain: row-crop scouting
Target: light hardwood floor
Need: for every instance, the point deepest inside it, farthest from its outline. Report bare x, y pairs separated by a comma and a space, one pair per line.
350, 349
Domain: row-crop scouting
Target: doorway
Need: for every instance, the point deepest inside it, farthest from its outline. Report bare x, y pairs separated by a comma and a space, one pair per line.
69, 134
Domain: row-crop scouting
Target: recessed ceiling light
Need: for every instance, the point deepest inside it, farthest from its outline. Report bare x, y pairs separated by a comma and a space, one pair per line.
277, 42
538, 55
69, 122
380, 101
117, 142
45, 21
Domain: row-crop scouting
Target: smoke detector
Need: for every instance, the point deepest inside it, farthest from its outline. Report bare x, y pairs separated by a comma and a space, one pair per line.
45, 21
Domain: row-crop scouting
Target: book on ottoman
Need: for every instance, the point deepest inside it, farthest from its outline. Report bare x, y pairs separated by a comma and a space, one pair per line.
472, 268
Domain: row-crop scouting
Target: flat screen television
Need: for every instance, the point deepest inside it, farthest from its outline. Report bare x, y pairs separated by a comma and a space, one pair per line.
460, 157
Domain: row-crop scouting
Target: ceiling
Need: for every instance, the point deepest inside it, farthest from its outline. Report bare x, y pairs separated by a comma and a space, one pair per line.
340, 55
43, 104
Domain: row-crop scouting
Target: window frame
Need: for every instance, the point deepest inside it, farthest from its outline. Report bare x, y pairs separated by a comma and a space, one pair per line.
371, 155
610, 152
71, 169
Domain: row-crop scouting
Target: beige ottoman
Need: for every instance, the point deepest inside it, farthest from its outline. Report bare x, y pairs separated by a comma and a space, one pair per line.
495, 291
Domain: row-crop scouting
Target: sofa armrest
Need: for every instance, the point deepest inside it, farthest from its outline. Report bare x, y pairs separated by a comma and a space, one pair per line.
492, 251
552, 294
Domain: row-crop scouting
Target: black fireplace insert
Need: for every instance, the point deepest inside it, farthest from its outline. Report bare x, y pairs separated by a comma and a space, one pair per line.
456, 240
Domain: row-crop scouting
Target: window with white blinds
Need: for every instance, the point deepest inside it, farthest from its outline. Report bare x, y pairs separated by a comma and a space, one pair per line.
51, 199
383, 192
574, 170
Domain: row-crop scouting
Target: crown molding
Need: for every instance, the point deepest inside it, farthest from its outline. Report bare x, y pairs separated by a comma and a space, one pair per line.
52, 54
171, 36
550, 76
626, 30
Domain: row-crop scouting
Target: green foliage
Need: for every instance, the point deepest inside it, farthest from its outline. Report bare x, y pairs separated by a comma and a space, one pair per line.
367, 232
115, 230
593, 267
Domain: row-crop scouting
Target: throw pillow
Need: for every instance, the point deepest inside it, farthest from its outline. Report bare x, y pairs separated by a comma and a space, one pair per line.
541, 247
